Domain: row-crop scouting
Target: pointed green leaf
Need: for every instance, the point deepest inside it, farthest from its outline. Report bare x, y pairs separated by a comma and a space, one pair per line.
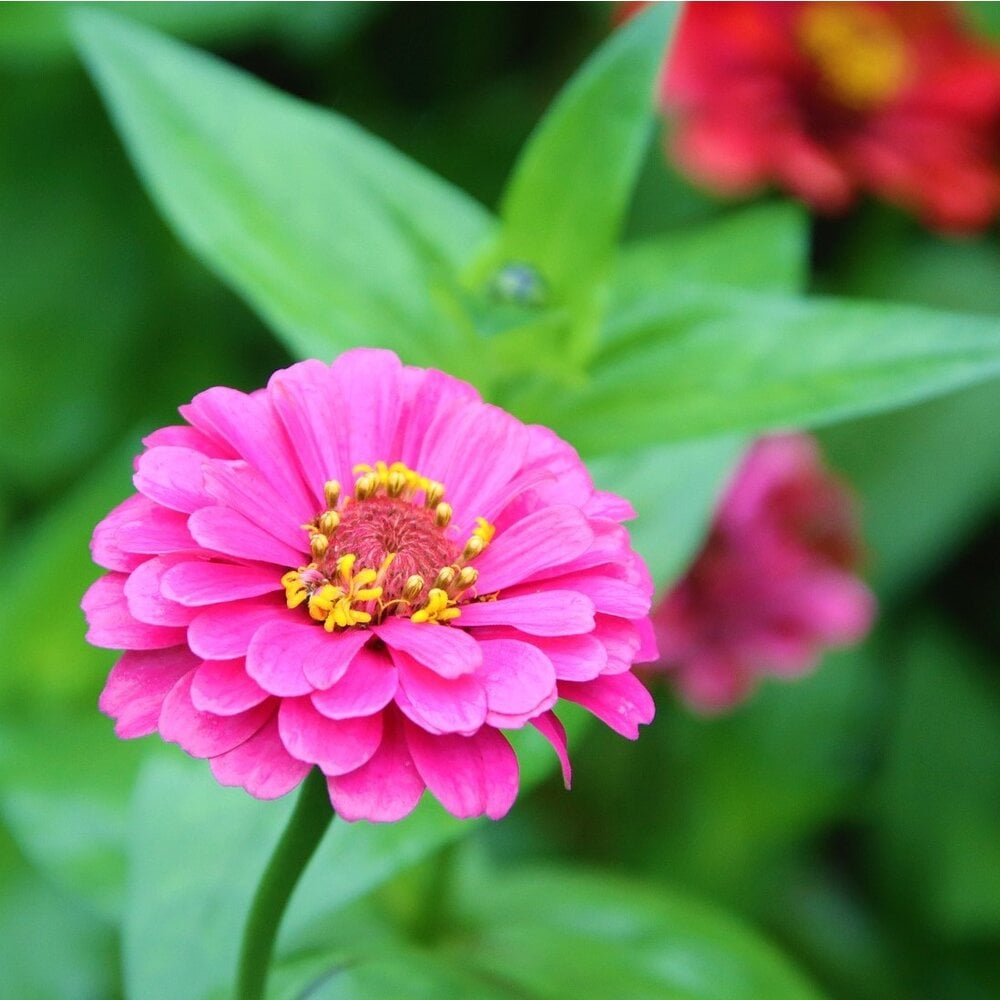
569, 192
709, 361
335, 238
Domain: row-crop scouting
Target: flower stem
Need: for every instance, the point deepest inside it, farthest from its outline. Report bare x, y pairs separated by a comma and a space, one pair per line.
308, 822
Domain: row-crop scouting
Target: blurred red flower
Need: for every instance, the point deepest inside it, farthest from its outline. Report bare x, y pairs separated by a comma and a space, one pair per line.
827, 100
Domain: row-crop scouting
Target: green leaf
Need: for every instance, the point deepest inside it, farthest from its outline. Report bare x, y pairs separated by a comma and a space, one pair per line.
568, 195
53, 945
556, 933
197, 851
674, 487
714, 361
335, 239
65, 781
401, 972
764, 248
926, 477
939, 811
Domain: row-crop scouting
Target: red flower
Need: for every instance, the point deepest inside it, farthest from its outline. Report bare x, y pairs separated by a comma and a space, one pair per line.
828, 100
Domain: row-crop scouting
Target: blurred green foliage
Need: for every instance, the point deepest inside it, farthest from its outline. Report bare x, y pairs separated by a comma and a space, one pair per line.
852, 817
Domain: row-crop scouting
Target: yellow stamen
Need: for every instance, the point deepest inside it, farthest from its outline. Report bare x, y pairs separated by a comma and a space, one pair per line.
484, 530
365, 486
318, 544
473, 547
442, 514
328, 523
331, 493
295, 590
857, 50
435, 494
466, 578
445, 578
412, 588
439, 608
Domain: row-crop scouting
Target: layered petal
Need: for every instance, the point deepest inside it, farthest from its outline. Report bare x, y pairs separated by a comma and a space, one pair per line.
138, 685
261, 765
470, 775
386, 788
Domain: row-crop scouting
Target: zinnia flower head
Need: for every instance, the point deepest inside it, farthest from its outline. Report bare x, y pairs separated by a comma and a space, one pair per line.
366, 568
774, 584
829, 99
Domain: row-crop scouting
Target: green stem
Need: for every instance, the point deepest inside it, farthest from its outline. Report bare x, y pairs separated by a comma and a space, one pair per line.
308, 822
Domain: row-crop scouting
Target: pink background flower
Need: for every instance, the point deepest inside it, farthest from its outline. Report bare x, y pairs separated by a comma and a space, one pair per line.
774, 584
274, 620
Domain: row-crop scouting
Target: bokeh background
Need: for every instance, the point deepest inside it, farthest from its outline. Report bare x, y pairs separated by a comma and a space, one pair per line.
853, 816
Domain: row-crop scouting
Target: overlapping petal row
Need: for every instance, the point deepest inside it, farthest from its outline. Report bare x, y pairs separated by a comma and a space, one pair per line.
827, 100
775, 584
257, 636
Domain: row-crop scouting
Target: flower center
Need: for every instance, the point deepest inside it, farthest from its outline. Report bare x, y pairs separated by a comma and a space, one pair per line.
859, 54
385, 551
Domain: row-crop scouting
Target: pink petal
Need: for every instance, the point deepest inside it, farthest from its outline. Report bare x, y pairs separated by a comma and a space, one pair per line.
553, 730
368, 381
609, 594
223, 530
181, 436
440, 705
470, 775
333, 659
575, 657
475, 449
385, 789
250, 426
367, 686
446, 650
610, 505
429, 393
548, 537
337, 746
519, 680
282, 649
241, 488
224, 631
111, 624
619, 700
145, 600
204, 734
609, 547
621, 640
138, 684
647, 651
172, 477
104, 546
548, 612
223, 687
306, 400
154, 530
197, 583
261, 765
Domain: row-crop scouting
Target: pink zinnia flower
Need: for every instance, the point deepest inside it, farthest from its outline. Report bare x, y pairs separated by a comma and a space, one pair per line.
827, 100
774, 584
468, 578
